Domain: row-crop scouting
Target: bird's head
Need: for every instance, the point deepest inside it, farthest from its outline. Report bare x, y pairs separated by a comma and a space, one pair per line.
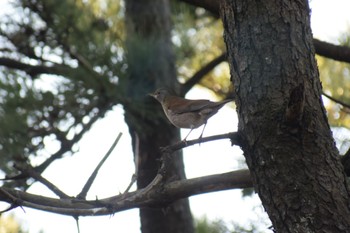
160, 94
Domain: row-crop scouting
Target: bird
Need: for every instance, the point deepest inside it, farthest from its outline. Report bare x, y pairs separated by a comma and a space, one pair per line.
186, 113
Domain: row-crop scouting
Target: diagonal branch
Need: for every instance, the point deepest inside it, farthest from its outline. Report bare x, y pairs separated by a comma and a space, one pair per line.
68, 144
328, 50
87, 186
234, 137
336, 100
201, 73
29, 171
157, 193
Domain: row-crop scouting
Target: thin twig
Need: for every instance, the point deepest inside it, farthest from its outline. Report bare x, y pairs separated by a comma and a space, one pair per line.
15, 202
133, 179
233, 136
87, 186
30, 171
336, 100
68, 144
76, 218
136, 162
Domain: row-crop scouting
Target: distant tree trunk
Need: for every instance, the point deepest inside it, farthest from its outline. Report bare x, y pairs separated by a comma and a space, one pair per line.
151, 64
286, 138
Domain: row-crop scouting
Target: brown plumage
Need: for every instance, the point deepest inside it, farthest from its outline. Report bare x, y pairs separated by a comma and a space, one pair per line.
184, 113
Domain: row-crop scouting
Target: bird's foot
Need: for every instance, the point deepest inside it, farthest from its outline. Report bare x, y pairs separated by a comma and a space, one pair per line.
200, 139
184, 141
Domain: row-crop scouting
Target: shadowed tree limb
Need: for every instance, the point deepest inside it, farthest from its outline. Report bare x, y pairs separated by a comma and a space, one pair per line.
34, 70
325, 49
30, 171
201, 73
335, 52
336, 100
234, 137
155, 194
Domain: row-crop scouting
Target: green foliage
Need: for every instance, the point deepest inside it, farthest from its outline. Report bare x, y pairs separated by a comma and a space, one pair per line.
66, 65
63, 74
335, 77
203, 225
198, 40
248, 192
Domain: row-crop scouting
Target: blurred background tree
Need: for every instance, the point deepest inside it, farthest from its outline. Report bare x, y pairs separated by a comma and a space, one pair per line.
66, 64
335, 77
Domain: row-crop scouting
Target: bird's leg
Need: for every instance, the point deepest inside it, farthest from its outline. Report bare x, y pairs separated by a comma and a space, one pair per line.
184, 140
200, 137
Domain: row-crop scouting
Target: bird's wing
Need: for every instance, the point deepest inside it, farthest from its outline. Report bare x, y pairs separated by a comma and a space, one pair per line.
179, 105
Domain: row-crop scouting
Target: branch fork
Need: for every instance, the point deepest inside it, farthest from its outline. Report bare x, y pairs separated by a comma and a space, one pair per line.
157, 193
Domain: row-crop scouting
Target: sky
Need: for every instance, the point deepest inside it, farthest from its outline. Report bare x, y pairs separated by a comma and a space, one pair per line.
328, 20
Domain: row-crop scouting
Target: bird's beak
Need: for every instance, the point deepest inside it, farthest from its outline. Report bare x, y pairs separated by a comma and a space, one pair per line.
151, 94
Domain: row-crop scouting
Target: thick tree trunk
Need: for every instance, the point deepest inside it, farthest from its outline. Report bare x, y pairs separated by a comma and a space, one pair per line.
287, 141
151, 64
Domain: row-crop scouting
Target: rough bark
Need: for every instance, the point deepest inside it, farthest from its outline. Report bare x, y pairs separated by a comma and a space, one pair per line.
287, 141
322, 48
151, 64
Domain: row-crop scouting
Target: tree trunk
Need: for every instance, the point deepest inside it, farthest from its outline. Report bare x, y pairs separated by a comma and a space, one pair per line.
151, 64
286, 138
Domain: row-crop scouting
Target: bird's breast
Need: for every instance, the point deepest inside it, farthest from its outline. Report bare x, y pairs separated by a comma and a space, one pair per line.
189, 120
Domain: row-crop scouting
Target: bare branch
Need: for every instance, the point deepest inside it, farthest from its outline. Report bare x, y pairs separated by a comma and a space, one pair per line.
201, 73
68, 144
155, 194
336, 100
234, 137
136, 163
87, 186
34, 70
30, 171
335, 52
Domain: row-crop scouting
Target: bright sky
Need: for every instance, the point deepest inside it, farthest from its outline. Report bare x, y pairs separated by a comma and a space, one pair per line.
329, 18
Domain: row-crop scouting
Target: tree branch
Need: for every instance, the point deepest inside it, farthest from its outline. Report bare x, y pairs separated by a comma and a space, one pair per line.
233, 136
29, 171
33, 70
335, 52
87, 186
201, 73
336, 100
155, 194
68, 144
